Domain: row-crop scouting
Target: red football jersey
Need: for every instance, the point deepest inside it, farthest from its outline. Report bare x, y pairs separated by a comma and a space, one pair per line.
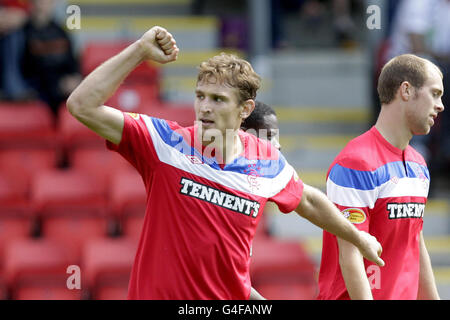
383, 191
201, 216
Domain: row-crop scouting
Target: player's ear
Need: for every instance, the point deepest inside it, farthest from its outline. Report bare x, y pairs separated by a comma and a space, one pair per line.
247, 108
406, 90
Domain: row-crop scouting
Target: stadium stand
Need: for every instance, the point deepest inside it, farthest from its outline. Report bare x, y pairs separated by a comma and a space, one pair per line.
26, 125
127, 200
106, 265
36, 269
70, 206
282, 269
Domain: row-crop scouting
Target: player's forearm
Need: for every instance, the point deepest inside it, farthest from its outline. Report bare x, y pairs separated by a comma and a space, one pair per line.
100, 85
427, 284
353, 272
316, 208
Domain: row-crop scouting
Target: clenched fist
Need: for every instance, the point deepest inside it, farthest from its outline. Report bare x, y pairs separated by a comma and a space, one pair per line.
159, 45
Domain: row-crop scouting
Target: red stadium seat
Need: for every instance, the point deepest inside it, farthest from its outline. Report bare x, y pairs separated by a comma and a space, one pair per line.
76, 135
3, 288
100, 164
70, 191
278, 265
13, 227
14, 189
72, 207
132, 226
288, 290
27, 125
47, 292
112, 292
183, 113
127, 194
35, 263
95, 53
132, 97
106, 265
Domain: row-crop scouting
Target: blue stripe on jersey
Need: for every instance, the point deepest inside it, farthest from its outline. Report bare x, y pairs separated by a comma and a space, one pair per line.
369, 180
265, 168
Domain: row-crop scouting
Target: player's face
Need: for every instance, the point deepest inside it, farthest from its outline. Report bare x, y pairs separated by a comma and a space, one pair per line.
426, 104
271, 125
217, 108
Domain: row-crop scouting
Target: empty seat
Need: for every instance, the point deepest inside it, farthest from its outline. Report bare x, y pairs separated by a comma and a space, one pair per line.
127, 195
47, 292
19, 165
35, 263
278, 264
13, 227
70, 191
76, 135
3, 288
131, 226
106, 265
71, 207
183, 113
287, 290
132, 97
25, 125
14, 190
100, 164
117, 291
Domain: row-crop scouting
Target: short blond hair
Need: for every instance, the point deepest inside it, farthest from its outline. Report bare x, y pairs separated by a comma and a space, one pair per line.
406, 67
233, 71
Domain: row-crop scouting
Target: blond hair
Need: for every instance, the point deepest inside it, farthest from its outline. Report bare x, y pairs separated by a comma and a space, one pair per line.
230, 70
406, 67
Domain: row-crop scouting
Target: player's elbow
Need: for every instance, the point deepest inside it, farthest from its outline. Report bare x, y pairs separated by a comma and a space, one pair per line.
307, 207
73, 104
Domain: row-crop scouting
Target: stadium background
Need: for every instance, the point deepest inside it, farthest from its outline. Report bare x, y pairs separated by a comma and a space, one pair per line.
66, 201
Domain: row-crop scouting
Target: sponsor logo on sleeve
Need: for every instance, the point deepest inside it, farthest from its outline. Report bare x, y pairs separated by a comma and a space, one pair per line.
133, 115
354, 215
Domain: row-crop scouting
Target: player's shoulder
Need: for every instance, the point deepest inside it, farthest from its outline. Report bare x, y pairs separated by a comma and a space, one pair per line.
358, 154
258, 149
415, 156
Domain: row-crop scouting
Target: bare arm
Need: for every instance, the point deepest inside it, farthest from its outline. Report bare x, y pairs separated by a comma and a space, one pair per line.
318, 209
427, 284
86, 101
353, 271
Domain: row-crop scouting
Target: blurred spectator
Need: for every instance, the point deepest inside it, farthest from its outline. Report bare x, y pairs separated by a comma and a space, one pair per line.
49, 64
314, 13
423, 28
13, 15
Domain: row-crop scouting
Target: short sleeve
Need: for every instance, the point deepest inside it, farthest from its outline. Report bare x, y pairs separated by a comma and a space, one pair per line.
289, 197
136, 145
354, 193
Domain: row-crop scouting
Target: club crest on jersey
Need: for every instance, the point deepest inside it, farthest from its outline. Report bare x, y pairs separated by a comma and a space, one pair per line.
252, 176
194, 159
354, 215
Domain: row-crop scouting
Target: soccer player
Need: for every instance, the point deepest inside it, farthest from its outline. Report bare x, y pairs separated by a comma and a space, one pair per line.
380, 183
263, 123
207, 184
